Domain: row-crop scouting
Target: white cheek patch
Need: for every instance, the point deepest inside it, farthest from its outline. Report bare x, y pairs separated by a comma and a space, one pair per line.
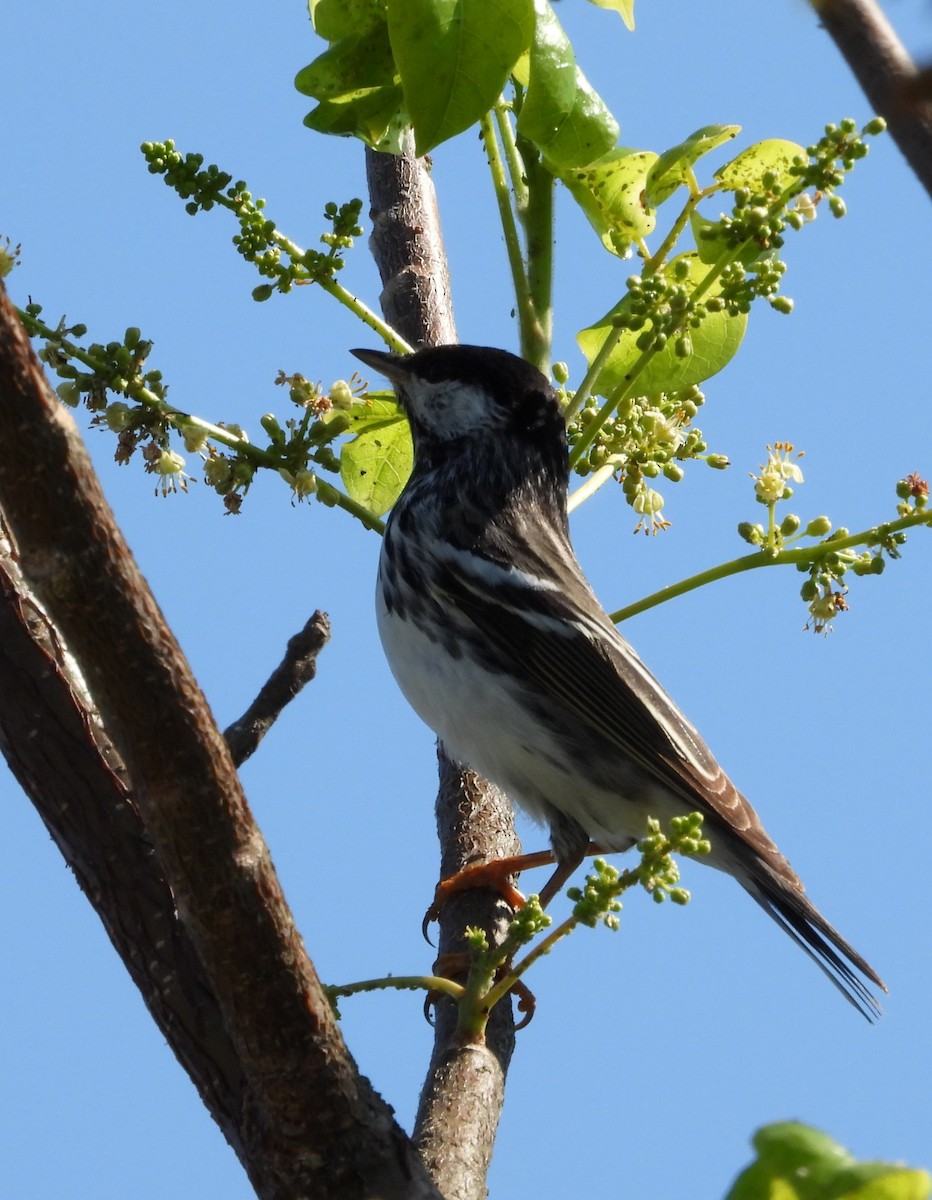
448, 409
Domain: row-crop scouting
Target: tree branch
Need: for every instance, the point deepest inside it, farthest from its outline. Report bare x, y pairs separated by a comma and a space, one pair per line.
463, 1094
307, 1123
297, 668
887, 75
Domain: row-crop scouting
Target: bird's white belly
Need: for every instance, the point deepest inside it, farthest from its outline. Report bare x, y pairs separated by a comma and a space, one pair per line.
484, 725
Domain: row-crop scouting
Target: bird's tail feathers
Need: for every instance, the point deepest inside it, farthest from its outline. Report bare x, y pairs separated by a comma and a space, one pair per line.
821, 941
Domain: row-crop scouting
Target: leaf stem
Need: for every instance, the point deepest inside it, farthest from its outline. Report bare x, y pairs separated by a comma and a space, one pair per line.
591, 485
800, 555
507, 216
537, 331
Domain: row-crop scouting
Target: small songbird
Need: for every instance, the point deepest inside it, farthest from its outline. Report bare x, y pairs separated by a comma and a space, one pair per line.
499, 643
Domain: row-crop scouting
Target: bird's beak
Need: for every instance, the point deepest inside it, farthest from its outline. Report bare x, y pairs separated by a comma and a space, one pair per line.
393, 366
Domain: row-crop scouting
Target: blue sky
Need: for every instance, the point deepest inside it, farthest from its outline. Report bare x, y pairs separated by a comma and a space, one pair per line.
655, 1051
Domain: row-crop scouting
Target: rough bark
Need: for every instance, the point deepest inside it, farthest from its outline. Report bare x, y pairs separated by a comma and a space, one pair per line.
152, 815
896, 89
463, 1093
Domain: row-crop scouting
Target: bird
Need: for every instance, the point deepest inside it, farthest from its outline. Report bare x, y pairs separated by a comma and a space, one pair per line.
499, 643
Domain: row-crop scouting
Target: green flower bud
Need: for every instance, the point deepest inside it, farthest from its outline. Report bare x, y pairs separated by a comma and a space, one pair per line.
818, 527
789, 524
335, 423
809, 590
119, 416
782, 304
561, 372
673, 472
684, 346
131, 337
262, 292
753, 534
718, 462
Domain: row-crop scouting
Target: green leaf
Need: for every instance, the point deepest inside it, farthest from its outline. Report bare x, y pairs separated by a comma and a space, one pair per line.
673, 167
751, 165
714, 344
454, 57
335, 19
624, 8
359, 91
796, 1162
561, 113
375, 465
610, 192
712, 242
376, 409
351, 65
377, 116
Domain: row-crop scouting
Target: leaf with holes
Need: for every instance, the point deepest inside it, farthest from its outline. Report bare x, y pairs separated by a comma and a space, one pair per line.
375, 465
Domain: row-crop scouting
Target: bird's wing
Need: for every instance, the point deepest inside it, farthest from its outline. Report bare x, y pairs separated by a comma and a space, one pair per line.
545, 624
541, 620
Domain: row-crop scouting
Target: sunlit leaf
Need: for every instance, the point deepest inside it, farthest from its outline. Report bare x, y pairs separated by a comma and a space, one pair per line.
673, 166
454, 57
351, 65
561, 113
358, 89
335, 19
375, 465
377, 116
624, 8
714, 344
751, 165
610, 192
796, 1162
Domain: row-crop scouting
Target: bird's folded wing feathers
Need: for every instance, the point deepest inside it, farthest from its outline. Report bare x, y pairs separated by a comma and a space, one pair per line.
552, 631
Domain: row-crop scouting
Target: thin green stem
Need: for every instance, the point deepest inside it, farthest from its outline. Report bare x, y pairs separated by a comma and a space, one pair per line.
430, 983
326, 492
365, 314
544, 946
656, 260
506, 131
591, 486
507, 217
334, 497
537, 331
584, 391
805, 555
624, 391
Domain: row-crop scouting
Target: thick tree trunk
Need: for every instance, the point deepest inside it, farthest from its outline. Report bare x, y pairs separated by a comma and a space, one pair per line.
112, 739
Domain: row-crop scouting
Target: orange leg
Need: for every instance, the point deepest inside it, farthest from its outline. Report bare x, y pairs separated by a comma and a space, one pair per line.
497, 876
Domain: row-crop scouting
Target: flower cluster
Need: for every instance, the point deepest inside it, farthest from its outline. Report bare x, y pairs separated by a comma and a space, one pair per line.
275, 256
648, 439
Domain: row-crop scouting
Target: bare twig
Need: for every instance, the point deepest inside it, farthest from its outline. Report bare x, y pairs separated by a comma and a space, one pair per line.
889, 77
296, 669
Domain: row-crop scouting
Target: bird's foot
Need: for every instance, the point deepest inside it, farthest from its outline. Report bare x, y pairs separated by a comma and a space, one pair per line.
496, 875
